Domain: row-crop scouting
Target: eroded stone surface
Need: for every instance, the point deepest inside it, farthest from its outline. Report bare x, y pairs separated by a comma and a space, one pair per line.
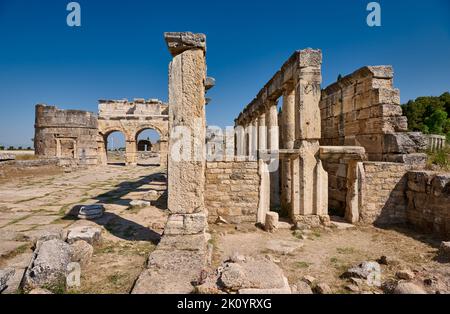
49, 266
91, 235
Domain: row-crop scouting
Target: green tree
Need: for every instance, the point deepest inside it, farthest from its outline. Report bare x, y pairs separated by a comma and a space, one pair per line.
429, 114
435, 122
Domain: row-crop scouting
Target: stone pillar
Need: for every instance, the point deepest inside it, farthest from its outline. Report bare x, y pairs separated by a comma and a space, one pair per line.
311, 205
254, 139
240, 141
273, 146
101, 151
163, 152
181, 255
288, 136
186, 179
130, 153
262, 132
248, 139
353, 200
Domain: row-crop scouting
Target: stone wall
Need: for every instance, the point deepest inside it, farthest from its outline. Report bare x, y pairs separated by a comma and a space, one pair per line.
232, 190
428, 196
363, 109
18, 167
69, 135
384, 193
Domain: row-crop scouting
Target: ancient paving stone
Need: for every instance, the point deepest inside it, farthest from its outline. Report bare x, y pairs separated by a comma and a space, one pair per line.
44, 233
38, 220
8, 247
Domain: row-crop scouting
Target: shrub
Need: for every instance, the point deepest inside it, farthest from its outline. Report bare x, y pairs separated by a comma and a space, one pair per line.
440, 158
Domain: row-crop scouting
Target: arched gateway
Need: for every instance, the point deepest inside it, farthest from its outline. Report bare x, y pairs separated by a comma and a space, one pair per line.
131, 118
80, 137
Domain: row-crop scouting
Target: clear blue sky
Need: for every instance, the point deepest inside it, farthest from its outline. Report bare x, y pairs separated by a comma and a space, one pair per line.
119, 51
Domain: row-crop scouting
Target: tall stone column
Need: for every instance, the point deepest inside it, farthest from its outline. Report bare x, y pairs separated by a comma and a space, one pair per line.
240, 140
248, 139
181, 254
186, 180
273, 146
311, 206
262, 132
254, 139
288, 137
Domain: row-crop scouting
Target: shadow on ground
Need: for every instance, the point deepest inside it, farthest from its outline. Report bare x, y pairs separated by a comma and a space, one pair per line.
119, 226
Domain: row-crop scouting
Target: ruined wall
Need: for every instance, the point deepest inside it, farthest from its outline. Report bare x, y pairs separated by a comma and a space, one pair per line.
131, 118
428, 196
232, 190
70, 135
384, 193
363, 109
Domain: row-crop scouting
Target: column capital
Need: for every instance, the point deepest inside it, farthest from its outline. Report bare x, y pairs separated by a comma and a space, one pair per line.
178, 42
288, 87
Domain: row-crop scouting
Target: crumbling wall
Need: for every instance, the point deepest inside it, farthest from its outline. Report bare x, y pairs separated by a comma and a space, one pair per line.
70, 135
428, 207
232, 190
363, 109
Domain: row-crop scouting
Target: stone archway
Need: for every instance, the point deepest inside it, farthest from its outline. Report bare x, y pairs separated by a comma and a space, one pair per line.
162, 144
103, 145
131, 118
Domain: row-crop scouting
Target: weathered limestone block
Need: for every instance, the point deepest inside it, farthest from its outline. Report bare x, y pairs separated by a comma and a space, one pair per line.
91, 235
185, 224
271, 223
49, 265
404, 143
82, 253
253, 276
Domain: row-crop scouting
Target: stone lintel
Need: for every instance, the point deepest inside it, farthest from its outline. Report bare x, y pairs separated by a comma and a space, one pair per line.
357, 153
178, 42
284, 78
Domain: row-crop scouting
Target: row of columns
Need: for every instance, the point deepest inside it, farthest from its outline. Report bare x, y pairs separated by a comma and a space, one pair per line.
436, 142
